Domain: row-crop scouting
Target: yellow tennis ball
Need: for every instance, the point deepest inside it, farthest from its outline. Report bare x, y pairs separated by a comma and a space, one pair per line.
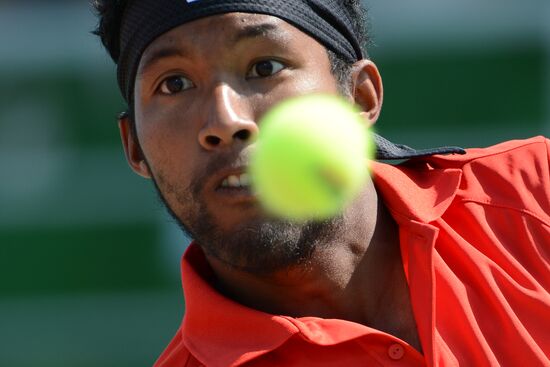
311, 157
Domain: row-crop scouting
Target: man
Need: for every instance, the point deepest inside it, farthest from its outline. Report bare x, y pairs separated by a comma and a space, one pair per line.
442, 261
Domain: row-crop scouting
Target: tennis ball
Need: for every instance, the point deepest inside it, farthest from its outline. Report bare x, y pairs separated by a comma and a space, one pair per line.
310, 159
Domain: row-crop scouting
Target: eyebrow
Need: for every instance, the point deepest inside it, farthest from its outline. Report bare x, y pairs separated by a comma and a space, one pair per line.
154, 57
253, 31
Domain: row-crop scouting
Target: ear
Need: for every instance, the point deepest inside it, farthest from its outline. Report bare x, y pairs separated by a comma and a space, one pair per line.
367, 89
133, 152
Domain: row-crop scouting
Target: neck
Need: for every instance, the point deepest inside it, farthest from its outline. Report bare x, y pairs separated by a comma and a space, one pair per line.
363, 264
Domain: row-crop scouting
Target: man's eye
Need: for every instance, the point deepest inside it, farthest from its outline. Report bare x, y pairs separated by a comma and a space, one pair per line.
265, 68
175, 84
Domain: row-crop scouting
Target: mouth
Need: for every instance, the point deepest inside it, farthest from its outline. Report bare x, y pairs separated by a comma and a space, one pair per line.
233, 187
236, 181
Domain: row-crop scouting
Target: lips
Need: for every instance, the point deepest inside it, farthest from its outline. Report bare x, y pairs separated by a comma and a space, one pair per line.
232, 186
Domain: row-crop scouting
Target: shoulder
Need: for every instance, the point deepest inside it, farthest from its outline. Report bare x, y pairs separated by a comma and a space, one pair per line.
536, 147
513, 174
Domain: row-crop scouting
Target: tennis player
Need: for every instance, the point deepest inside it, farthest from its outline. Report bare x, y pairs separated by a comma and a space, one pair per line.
441, 261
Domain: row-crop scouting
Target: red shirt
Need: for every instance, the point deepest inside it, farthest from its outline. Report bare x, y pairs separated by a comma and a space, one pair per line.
475, 242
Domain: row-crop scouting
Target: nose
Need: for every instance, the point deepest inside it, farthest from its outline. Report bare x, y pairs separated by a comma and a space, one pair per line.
229, 120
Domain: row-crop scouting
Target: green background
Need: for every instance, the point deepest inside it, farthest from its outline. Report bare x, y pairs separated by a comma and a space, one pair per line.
89, 262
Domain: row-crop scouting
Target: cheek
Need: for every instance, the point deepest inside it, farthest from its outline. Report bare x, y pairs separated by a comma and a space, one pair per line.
318, 84
162, 119
168, 144
318, 76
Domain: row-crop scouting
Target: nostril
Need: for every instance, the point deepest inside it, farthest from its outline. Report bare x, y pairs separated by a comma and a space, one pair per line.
213, 140
243, 135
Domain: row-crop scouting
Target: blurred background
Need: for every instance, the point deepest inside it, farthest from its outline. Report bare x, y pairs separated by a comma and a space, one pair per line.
89, 262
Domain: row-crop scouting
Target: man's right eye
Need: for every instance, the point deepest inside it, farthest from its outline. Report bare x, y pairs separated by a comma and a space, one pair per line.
175, 84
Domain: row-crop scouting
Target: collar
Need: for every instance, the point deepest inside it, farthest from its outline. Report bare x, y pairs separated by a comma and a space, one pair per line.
217, 330
415, 190
221, 332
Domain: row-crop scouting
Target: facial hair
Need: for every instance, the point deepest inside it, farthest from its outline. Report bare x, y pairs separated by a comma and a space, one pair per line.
262, 246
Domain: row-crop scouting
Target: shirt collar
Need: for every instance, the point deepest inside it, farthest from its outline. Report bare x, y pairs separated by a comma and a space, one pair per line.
218, 330
221, 332
416, 191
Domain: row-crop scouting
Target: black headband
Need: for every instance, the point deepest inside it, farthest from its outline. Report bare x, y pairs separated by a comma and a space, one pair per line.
327, 21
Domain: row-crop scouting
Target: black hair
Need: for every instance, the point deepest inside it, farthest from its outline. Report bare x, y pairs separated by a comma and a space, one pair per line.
110, 14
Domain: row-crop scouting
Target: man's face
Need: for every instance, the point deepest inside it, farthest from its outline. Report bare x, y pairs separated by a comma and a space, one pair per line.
199, 94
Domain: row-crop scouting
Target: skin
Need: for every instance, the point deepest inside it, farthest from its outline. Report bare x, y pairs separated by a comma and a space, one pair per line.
213, 124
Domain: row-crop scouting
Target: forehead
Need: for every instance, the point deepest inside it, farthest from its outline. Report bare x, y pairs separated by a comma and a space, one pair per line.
226, 30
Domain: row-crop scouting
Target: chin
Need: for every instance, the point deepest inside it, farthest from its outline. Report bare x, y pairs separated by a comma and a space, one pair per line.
263, 245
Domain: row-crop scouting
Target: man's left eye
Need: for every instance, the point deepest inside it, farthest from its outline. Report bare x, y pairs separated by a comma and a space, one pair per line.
265, 68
